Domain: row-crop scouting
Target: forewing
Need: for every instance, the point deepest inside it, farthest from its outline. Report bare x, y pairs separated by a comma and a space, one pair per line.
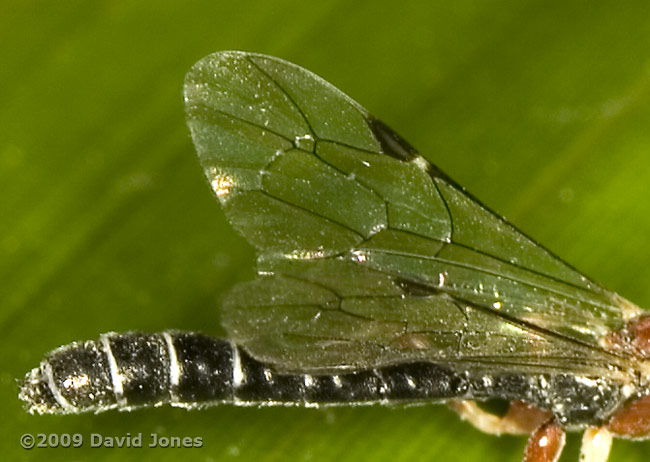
369, 254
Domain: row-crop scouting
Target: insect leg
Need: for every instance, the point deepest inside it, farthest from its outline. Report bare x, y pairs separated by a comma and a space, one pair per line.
546, 443
596, 443
521, 418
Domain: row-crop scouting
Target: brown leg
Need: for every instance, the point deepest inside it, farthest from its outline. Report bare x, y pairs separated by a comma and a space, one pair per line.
546, 443
521, 418
596, 443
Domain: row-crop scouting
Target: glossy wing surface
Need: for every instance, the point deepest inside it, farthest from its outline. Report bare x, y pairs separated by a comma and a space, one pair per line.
367, 253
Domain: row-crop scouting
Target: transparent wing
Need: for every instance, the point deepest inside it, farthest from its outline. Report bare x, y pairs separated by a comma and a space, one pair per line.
367, 253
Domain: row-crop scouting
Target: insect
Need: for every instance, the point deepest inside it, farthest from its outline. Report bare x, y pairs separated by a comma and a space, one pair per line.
380, 280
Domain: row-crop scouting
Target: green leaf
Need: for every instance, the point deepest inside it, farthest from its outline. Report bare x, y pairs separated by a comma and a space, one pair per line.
539, 109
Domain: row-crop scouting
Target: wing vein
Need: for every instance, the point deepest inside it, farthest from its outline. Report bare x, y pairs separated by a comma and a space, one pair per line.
286, 93
311, 212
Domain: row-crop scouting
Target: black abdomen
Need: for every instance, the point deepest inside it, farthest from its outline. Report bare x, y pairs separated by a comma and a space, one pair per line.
131, 370
190, 370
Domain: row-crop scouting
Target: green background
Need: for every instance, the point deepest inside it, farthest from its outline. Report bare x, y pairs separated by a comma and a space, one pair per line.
540, 108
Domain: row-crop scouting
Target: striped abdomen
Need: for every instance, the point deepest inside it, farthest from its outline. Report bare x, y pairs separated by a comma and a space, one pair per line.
131, 370
126, 371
